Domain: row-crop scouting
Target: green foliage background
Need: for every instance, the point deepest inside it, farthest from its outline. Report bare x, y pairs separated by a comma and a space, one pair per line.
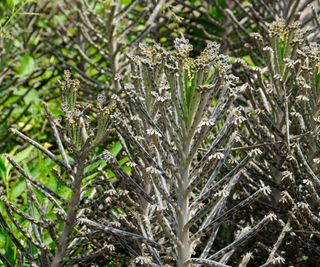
34, 53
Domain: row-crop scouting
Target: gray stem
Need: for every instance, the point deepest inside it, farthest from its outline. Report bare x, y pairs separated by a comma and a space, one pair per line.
71, 217
183, 233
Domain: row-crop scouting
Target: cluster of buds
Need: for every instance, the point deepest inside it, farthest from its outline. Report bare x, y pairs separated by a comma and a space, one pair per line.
80, 134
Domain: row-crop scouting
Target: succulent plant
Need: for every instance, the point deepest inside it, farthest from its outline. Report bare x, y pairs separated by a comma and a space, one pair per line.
231, 22
282, 120
162, 155
45, 239
178, 122
97, 37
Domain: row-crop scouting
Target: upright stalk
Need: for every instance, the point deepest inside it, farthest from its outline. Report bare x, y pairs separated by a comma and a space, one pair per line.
170, 101
184, 250
71, 216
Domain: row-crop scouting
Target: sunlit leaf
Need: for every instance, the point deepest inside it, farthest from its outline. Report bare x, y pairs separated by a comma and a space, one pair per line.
26, 65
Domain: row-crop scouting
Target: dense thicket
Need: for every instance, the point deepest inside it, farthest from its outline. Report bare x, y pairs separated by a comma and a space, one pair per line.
159, 133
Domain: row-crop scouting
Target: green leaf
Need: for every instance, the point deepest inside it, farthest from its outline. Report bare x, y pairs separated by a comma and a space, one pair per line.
214, 102
18, 188
2, 165
23, 154
10, 3
51, 183
26, 66
126, 2
11, 250
249, 60
5, 171
115, 148
20, 91
124, 160
32, 96
2, 240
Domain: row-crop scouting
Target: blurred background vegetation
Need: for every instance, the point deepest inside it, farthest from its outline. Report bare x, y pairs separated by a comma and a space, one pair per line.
94, 39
